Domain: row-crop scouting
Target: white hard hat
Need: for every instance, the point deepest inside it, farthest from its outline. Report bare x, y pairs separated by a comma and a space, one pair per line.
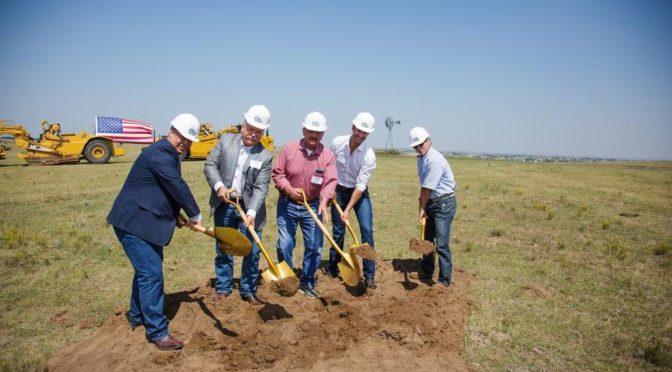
187, 125
417, 135
315, 122
364, 121
258, 116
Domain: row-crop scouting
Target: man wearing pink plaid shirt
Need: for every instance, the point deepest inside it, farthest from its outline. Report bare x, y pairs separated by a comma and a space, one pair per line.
306, 164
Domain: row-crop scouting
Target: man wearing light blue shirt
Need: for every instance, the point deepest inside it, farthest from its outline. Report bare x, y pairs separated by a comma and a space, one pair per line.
355, 162
437, 204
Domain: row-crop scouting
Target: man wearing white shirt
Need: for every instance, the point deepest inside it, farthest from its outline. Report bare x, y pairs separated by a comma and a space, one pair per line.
240, 165
355, 162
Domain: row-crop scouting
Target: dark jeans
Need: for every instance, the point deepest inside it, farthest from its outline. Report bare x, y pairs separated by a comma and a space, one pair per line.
289, 216
226, 215
439, 218
147, 288
364, 211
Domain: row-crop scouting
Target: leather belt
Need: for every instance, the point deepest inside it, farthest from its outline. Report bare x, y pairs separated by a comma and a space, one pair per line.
442, 197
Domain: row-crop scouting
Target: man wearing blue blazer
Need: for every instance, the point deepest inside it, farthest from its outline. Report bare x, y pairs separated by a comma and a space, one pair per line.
144, 216
240, 165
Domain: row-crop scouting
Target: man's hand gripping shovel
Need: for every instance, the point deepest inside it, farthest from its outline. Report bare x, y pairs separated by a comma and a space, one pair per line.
231, 240
349, 265
364, 250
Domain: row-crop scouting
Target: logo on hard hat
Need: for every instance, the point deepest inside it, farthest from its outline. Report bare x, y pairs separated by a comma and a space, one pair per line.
364, 124
257, 120
416, 139
316, 123
192, 131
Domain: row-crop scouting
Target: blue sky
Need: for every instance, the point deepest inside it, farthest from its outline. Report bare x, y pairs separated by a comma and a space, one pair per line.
585, 78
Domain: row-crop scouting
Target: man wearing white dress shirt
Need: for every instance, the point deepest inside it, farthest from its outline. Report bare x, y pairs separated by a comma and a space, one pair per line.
240, 165
355, 162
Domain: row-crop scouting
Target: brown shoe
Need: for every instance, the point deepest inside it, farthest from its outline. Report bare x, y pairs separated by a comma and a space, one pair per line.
221, 296
169, 343
254, 300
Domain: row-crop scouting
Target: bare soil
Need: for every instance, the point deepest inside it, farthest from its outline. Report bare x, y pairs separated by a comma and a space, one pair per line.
286, 286
421, 246
402, 325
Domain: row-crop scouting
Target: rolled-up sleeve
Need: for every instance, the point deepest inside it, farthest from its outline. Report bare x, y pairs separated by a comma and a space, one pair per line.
366, 170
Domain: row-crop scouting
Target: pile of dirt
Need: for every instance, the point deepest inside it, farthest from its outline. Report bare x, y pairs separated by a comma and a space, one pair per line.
403, 324
365, 251
286, 286
421, 246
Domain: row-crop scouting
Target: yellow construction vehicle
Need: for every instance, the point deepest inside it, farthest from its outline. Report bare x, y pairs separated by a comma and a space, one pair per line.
207, 139
53, 147
266, 140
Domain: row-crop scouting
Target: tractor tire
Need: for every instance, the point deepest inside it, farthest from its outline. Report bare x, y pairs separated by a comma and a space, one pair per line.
97, 152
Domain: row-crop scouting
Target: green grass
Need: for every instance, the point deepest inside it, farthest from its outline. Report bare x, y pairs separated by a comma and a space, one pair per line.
561, 281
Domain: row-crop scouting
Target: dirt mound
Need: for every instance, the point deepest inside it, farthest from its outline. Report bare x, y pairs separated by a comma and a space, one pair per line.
403, 324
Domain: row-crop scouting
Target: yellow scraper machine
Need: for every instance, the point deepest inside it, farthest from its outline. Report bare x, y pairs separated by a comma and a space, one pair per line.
54, 147
207, 139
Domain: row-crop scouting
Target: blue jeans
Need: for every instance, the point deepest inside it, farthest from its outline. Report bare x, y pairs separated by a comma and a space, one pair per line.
147, 288
439, 218
289, 216
226, 215
364, 211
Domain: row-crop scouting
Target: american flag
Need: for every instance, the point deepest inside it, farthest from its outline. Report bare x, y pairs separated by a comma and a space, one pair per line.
124, 130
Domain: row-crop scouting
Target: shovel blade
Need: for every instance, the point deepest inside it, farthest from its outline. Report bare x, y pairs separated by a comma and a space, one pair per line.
349, 269
232, 241
284, 271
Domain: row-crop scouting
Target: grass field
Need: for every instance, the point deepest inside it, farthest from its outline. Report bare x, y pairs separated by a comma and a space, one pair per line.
572, 262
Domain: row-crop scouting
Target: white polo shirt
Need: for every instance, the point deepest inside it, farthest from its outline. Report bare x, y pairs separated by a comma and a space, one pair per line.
354, 169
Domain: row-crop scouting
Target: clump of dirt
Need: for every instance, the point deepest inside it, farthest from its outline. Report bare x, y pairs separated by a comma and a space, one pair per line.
285, 287
403, 325
365, 251
421, 246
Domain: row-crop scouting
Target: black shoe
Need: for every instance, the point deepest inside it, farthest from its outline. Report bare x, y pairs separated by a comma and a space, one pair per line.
333, 274
370, 283
310, 292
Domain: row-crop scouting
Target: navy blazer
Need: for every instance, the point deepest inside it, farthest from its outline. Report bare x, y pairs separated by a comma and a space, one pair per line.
150, 200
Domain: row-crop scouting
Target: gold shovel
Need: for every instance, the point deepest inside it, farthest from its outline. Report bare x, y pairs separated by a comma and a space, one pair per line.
422, 246
365, 250
231, 240
348, 266
274, 272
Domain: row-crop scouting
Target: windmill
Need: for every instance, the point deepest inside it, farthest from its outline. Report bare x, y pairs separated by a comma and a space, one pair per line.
390, 123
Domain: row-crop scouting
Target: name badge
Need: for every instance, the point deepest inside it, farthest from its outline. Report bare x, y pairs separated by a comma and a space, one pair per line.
316, 180
256, 164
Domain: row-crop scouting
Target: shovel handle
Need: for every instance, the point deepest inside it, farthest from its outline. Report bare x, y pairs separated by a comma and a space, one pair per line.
250, 228
198, 228
347, 223
320, 224
423, 222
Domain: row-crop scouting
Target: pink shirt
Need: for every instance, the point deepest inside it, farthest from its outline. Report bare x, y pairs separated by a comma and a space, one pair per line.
316, 173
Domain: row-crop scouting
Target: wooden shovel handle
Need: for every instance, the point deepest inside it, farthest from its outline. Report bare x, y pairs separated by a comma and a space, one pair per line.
198, 228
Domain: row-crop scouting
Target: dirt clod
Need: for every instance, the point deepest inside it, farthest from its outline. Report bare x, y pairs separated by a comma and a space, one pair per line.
286, 287
365, 251
421, 246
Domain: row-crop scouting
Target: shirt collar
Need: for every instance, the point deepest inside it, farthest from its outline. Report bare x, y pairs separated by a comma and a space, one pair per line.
318, 149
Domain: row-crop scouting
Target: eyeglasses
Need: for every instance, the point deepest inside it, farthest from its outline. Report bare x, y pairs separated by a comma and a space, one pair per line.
420, 144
